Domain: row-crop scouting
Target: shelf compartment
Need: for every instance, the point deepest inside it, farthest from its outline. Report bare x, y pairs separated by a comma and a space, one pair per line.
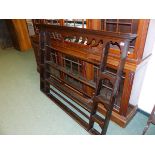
70, 84
85, 114
79, 99
73, 115
80, 78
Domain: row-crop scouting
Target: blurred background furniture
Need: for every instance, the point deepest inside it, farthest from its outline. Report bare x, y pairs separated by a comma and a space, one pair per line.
5, 38
19, 34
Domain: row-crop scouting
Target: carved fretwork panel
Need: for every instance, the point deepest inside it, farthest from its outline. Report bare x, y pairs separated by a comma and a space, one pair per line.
123, 26
75, 39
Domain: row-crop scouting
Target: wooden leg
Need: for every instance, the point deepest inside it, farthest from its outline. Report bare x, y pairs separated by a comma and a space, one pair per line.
146, 128
106, 124
94, 109
150, 120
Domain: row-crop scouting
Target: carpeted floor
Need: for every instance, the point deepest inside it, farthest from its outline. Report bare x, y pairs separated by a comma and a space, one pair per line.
25, 110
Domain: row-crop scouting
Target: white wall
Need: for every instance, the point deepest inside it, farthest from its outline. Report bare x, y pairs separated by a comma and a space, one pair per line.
138, 82
146, 99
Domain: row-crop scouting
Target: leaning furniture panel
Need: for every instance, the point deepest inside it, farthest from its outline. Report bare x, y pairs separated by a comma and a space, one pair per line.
70, 60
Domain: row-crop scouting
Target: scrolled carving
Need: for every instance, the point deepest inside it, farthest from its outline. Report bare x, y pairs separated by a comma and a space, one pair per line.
55, 35
115, 45
73, 39
85, 41
82, 42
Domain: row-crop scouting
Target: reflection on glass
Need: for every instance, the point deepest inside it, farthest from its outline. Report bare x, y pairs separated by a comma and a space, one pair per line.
80, 23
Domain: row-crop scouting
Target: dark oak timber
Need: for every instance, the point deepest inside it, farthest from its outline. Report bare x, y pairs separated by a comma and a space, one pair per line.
71, 62
80, 76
